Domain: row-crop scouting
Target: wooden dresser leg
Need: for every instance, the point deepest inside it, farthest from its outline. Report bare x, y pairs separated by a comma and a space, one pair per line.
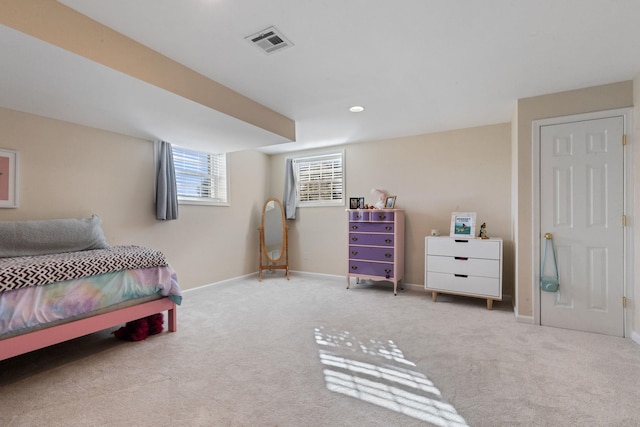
489, 304
434, 296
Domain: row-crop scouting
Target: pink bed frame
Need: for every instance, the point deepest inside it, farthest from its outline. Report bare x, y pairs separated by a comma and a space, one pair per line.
41, 338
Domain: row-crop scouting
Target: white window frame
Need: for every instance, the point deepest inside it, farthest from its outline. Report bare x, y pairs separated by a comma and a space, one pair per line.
298, 161
214, 176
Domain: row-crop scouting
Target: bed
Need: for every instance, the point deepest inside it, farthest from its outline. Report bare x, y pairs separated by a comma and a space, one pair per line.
59, 280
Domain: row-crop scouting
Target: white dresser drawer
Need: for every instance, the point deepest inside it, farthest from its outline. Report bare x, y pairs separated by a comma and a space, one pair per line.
471, 248
462, 265
471, 285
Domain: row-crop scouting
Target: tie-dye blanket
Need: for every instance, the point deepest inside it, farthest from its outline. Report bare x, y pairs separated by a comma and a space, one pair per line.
33, 306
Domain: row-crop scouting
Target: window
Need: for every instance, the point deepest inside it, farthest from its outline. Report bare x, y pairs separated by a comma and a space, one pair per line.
320, 180
201, 178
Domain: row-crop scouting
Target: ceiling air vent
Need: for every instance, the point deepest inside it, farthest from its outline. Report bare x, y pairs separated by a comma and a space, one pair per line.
269, 40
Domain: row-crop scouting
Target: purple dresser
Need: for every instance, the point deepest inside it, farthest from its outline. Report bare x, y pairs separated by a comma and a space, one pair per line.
376, 245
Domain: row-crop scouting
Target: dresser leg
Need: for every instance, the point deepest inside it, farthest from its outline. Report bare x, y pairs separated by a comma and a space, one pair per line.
489, 304
348, 281
434, 296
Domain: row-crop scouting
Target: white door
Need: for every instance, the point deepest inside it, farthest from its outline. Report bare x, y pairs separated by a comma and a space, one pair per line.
582, 206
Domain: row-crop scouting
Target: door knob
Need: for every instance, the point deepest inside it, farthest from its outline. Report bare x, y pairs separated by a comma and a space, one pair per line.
548, 236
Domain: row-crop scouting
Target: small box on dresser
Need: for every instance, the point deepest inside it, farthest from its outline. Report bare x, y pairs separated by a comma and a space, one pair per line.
469, 267
376, 245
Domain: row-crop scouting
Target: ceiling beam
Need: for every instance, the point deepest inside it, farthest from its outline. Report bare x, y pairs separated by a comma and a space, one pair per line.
57, 24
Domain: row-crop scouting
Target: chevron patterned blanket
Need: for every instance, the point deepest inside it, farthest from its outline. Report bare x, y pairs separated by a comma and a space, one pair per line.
21, 272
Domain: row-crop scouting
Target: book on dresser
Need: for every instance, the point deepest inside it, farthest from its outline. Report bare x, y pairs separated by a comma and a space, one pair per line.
469, 267
376, 245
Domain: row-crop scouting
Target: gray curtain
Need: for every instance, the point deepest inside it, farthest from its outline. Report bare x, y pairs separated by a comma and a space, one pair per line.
166, 191
290, 198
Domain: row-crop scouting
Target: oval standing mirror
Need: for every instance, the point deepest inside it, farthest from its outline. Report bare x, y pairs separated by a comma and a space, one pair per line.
273, 238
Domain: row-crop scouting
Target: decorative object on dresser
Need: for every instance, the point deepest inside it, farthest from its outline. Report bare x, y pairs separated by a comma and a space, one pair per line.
463, 224
390, 202
483, 231
376, 245
469, 267
356, 202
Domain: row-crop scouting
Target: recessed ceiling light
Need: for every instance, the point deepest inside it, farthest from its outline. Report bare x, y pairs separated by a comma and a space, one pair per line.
356, 109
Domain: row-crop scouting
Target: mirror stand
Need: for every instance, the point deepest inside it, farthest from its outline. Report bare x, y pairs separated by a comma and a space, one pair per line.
266, 263
274, 245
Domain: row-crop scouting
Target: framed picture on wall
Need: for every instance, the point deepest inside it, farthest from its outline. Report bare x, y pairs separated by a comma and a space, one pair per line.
8, 178
463, 224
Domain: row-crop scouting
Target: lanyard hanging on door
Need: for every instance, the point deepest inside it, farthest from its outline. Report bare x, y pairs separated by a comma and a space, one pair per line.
549, 283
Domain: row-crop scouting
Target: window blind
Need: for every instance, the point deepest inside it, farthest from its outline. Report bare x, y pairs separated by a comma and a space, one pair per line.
320, 179
200, 176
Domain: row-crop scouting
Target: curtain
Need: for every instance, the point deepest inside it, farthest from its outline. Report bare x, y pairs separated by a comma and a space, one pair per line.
290, 191
166, 191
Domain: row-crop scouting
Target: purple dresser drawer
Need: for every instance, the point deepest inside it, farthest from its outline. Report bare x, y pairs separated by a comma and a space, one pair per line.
370, 253
358, 216
371, 239
371, 269
381, 216
368, 227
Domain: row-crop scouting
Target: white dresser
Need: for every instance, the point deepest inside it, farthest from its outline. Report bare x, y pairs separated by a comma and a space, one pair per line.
470, 267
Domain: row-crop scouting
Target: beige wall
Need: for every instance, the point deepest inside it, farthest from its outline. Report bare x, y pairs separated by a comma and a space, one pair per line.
432, 175
68, 170
599, 98
72, 171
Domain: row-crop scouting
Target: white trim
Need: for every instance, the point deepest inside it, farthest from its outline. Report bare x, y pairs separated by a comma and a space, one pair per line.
526, 319
626, 114
233, 279
635, 337
14, 178
317, 156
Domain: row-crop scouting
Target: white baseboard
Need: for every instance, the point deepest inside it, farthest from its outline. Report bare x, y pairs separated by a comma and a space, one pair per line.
328, 276
220, 282
635, 337
525, 319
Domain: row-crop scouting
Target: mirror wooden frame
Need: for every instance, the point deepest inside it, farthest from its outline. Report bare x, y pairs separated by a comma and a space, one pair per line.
282, 261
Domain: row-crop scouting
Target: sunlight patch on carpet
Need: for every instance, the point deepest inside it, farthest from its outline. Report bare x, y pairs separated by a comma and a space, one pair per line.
376, 371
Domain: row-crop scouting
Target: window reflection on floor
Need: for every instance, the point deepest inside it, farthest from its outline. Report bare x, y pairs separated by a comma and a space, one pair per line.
382, 376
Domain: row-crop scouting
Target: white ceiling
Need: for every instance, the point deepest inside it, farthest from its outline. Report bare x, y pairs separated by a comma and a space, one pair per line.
417, 66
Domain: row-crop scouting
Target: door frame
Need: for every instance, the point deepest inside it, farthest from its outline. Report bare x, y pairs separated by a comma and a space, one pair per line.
536, 236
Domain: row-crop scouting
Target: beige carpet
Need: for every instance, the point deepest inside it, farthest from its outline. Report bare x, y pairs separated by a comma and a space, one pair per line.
308, 352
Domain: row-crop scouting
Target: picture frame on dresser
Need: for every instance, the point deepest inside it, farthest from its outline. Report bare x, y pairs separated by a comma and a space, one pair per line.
356, 202
8, 178
463, 224
390, 202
